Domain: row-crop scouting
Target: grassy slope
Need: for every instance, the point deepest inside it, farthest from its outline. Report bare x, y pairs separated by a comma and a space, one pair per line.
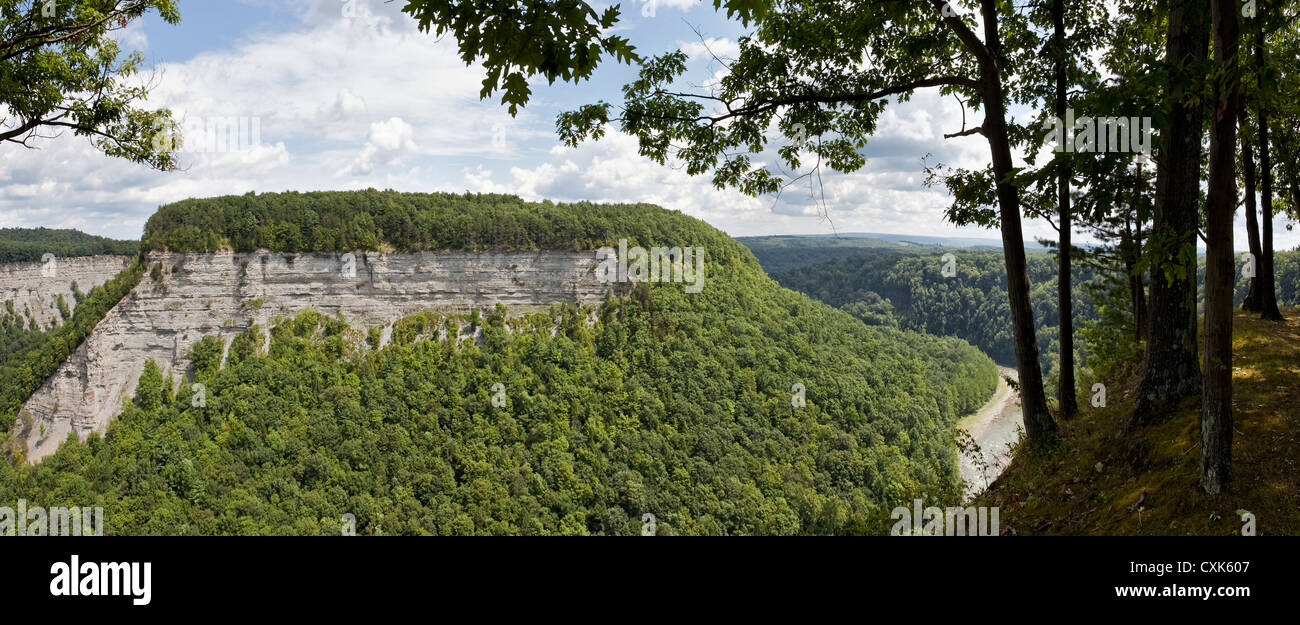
1062, 492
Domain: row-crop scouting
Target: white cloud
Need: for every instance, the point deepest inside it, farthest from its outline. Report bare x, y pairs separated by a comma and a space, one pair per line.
346, 104
724, 49
650, 8
361, 96
389, 141
368, 101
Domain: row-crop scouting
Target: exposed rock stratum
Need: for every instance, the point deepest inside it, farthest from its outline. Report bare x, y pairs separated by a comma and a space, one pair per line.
225, 294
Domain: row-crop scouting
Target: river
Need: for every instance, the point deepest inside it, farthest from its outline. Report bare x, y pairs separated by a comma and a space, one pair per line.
994, 427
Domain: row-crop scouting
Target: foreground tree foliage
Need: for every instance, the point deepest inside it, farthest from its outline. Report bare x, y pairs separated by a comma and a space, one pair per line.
672, 404
61, 69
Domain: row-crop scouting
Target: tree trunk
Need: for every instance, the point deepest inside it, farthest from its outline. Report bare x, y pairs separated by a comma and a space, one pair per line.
1127, 247
1039, 426
1130, 252
1267, 279
1221, 203
1170, 370
1140, 297
1065, 396
1252, 224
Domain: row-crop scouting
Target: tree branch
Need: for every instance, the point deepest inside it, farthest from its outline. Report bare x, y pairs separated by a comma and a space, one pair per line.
765, 105
965, 34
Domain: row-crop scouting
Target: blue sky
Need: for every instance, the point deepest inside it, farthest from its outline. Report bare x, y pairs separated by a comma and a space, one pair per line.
347, 94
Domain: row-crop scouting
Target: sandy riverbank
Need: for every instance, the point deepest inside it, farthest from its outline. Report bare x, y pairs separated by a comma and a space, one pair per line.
994, 427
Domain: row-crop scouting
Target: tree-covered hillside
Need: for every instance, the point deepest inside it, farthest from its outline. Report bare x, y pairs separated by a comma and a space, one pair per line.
333, 221
910, 291
673, 404
20, 245
907, 290
783, 253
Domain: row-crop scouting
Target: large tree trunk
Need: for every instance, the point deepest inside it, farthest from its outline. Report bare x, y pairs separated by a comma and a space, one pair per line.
1267, 280
1252, 224
1170, 370
1221, 203
1065, 396
1039, 426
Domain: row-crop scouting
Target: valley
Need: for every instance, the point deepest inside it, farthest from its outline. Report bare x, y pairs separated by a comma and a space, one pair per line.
996, 430
476, 376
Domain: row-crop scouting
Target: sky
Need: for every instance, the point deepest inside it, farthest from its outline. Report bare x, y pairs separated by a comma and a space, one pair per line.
348, 94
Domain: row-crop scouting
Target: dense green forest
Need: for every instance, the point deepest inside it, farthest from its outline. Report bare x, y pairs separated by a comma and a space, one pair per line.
29, 356
909, 291
673, 404
782, 253
19, 245
333, 221
905, 289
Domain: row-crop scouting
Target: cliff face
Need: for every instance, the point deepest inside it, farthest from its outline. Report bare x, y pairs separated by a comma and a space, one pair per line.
224, 294
34, 288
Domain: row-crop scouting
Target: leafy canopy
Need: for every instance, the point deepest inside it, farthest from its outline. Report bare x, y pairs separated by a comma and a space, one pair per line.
554, 39
61, 68
819, 72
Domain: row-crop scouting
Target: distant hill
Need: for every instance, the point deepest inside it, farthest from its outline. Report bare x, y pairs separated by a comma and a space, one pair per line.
24, 245
783, 252
918, 239
906, 289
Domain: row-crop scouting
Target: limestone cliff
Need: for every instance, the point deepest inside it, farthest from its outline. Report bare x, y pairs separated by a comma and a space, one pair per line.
34, 288
190, 296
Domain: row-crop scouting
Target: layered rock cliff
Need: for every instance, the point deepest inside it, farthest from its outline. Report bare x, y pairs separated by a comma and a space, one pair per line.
35, 288
188, 296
